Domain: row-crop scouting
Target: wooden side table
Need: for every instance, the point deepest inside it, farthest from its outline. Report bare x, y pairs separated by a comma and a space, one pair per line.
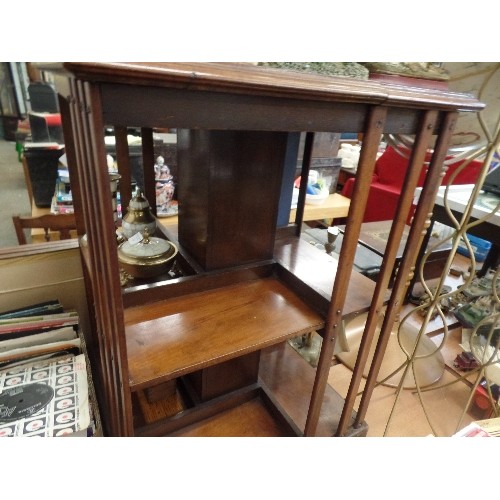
335, 206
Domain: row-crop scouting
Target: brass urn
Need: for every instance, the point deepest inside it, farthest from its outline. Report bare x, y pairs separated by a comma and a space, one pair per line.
148, 257
138, 217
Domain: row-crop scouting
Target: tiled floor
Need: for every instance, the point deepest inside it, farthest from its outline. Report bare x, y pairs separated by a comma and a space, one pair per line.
13, 195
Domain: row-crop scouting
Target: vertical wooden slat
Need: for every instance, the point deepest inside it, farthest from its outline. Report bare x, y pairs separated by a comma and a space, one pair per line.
112, 304
371, 141
421, 220
104, 261
123, 162
71, 155
306, 166
416, 163
77, 109
70, 131
148, 161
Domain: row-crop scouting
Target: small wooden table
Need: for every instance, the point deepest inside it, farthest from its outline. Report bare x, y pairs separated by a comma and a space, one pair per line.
37, 234
335, 206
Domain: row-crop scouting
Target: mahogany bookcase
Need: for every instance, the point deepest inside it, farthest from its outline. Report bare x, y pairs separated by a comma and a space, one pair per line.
221, 328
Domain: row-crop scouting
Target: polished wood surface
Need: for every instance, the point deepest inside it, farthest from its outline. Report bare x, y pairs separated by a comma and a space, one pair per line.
317, 271
175, 337
248, 79
225, 97
335, 206
224, 377
287, 376
227, 187
151, 411
290, 379
250, 419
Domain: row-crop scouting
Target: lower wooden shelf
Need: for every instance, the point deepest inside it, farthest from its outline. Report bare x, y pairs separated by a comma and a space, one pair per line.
198, 337
290, 378
276, 406
250, 419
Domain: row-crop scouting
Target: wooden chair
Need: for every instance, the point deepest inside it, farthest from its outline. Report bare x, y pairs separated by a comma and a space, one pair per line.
62, 223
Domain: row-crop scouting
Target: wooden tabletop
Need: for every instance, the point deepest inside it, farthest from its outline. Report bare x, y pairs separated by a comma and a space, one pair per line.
335, 206
249, 79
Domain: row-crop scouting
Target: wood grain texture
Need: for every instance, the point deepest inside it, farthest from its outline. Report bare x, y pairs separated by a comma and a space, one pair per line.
182, 335
249, 79
317, 271
251, 419
290, 379
227, 186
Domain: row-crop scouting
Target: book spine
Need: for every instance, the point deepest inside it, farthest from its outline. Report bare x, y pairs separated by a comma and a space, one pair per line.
39, 323
50, 307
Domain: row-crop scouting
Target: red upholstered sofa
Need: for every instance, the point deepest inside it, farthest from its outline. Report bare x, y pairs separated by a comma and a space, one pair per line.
388, 178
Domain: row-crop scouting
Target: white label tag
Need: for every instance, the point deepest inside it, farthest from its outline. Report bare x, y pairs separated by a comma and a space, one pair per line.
137, 238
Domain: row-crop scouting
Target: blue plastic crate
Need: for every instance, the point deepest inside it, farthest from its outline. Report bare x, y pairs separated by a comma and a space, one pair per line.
479, 246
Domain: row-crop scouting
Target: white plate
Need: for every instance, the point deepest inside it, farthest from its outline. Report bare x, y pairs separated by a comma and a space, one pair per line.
169, 212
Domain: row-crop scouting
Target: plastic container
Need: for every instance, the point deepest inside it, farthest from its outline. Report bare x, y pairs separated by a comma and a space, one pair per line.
329, 171
350, 155
317, 199
479, 246
43, 166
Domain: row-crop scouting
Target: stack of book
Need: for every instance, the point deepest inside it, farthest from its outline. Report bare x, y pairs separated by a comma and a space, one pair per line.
62, 201
44, 380
481, 428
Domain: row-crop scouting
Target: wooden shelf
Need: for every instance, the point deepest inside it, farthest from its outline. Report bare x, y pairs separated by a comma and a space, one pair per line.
290, 378
174, 337
250, 419
316, 271
288, 381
